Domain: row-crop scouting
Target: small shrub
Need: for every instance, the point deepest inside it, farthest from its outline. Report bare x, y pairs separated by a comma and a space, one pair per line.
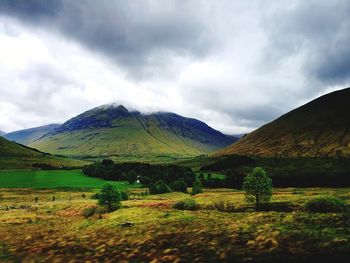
83, 195
326, 204
53, 199
187, 204
36, 199
223, 205
89, 211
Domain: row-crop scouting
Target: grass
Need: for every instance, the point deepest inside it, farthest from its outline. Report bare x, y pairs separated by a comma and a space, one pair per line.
53, 179
57, 230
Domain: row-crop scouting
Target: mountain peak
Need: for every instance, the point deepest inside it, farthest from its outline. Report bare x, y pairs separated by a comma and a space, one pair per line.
114, 106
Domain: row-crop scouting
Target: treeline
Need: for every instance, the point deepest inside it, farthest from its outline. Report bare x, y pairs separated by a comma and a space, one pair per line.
142, 172
285, 172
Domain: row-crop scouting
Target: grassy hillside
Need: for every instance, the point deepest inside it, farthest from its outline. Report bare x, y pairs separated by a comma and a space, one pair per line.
114, 131
27, 136
319, 128
14, 156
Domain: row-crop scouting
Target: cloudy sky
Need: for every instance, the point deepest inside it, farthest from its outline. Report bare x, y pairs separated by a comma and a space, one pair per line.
233, 64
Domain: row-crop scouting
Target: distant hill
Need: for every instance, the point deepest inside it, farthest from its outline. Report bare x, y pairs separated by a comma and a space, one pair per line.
15, 156
318, 128
2, 133
113, 130
28, 136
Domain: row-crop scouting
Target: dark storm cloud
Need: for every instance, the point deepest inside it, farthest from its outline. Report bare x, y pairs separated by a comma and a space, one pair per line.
139, 36
233, 64
318, 29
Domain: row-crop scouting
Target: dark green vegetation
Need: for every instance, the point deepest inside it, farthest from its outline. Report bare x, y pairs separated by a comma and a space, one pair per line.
285, 172
15, 156
147, 228
258, 187
197, 187
187, 204
53, 179
319, 128
145, 173
326, 204
28, 136
116, 132
109, 197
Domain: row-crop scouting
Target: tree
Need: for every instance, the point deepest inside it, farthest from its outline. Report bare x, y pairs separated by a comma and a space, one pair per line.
109, 197
153, 189
163, 187
197, 187
258, 186
179, 186
131, 176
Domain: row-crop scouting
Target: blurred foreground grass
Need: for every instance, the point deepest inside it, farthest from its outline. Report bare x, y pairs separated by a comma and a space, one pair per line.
46, 230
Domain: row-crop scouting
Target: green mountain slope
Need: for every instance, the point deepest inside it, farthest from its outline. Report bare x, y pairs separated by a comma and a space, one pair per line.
27, 136
318, 128
109, 130
15, 156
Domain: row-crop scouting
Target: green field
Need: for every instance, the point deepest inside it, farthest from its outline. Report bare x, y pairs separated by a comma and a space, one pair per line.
53, 179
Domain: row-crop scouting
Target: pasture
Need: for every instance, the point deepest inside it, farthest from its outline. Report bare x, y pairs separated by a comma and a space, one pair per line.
53, 179
223, 229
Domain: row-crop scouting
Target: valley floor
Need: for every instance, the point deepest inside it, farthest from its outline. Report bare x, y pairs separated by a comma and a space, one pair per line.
47, 230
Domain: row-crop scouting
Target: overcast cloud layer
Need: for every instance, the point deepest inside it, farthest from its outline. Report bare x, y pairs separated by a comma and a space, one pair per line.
233, 64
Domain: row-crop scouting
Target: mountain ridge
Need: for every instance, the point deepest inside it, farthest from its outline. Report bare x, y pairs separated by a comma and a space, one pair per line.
319, 128
27, 136
114, 130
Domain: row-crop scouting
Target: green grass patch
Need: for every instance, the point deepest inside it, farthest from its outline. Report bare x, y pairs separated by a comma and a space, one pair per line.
54, 179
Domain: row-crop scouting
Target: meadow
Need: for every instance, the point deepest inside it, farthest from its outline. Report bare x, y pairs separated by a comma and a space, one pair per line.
53, 179
224, 229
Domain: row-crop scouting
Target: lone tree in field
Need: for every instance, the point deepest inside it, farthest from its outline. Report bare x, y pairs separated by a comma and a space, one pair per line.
258, 187
109, 197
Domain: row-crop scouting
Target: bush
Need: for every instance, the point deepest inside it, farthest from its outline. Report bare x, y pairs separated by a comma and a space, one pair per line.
124, 196
89, 211
187, 204
197, 187
326, 204
223, 205
179, 186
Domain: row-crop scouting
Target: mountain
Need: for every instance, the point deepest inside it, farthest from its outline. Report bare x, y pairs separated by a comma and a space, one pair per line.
28, 136
16, 156
319, 128
2, 133
114, 130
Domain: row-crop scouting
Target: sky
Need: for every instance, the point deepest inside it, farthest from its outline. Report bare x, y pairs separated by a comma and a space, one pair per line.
235, 65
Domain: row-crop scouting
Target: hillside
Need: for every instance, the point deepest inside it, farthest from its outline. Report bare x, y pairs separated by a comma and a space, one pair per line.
318, 128
27, 136
15, 156
113, 130
2, 133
